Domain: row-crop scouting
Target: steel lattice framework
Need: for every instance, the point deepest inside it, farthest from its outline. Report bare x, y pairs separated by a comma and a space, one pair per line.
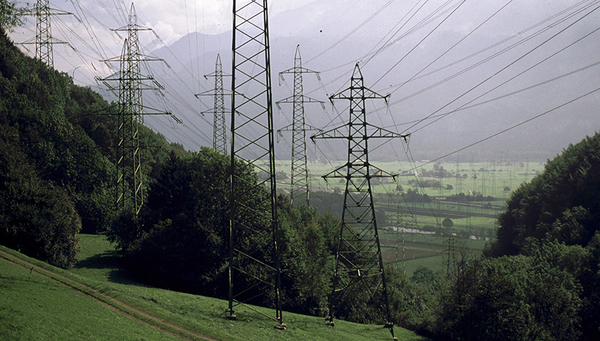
254, 258
299, 191
218, 111
43, 31
359, 271
43, 36
131, 84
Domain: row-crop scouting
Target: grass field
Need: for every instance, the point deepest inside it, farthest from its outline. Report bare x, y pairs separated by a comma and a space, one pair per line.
35, 307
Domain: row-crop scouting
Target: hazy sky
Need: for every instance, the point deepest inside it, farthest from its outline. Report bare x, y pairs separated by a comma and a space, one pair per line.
511, 61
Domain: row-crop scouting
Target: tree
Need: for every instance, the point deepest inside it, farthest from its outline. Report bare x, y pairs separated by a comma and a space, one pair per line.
36, 217
513, 298
562, 202
307, 252
447, 223
179, 240
10, 15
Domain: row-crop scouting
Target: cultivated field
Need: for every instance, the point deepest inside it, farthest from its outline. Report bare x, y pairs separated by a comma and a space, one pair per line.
471, 195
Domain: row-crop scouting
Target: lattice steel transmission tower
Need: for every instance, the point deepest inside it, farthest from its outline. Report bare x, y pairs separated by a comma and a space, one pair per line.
218, 111
130, 85
43, 31
254, 256
359, 271
299, 191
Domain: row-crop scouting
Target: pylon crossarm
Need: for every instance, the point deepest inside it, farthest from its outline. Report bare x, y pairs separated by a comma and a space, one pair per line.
211, 93
384, 133
299, 69
215, 111
52, 11
295, 99
335, 133
350, 93
131, 27
337, 173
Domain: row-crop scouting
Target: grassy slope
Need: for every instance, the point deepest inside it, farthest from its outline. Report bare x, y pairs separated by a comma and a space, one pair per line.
98, 267
33, 307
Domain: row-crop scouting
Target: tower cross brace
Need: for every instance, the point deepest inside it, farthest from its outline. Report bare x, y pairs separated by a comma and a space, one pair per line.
299, 188
359, 272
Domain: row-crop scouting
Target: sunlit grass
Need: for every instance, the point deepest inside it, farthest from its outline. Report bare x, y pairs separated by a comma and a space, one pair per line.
98, 267
33, 307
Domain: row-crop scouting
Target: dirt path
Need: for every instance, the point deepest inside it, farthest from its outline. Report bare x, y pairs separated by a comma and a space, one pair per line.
123, 308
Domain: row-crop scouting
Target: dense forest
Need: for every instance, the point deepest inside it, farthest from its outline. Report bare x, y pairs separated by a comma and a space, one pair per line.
57, 143
538, 280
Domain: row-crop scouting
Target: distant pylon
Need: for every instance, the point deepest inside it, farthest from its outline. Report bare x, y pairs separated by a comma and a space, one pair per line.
131, 83
253, 249
218, 111
43, 31
299, 191
359, 271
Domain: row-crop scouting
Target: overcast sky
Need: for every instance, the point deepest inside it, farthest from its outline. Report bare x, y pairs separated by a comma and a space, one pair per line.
432, 56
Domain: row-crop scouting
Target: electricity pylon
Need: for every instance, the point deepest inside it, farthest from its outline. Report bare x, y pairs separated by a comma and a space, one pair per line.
299, 191
130, 84
253, 245
43, 31
218, 111
359, 271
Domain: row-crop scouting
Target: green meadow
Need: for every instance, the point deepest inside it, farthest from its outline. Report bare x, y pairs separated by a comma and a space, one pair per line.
36, 307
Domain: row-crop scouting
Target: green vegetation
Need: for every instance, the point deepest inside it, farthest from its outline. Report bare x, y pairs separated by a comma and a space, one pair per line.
10, 15
96, 268
39, 308
57, 169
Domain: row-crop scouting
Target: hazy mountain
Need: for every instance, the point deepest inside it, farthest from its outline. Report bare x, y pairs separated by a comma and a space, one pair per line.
462, 75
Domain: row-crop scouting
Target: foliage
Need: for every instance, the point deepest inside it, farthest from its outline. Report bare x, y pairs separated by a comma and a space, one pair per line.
562, 203
513, 298
307, 257
179, 240
37, 214
548, 243
57, 149
413, 195
10, 15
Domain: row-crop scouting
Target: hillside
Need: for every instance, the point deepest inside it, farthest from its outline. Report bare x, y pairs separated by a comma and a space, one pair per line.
57, 156
95, 301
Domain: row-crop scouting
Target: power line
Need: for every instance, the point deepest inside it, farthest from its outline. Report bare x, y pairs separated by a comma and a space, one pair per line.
509, 128
507, 66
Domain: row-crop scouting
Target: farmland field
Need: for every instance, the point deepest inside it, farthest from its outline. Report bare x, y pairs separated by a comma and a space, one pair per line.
421, 198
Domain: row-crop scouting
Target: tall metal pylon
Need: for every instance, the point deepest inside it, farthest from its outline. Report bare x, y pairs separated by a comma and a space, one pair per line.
253, 246
43, 31
299, 188
130, 85
359, 271
218, 111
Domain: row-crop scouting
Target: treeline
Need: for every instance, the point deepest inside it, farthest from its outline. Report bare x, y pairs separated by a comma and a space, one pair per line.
57, 143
